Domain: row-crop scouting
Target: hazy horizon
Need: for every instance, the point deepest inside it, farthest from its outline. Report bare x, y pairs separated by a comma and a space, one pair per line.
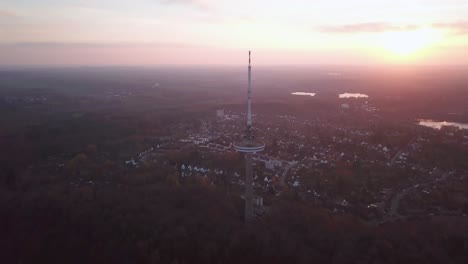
211, 32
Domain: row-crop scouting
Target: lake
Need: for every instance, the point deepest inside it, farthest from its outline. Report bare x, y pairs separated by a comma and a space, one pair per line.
353, 95
440, 124
303, 93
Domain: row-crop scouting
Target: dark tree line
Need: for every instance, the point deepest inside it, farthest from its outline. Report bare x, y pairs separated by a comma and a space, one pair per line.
158, 223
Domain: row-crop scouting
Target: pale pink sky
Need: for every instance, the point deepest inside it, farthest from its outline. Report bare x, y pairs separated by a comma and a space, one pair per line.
126, 32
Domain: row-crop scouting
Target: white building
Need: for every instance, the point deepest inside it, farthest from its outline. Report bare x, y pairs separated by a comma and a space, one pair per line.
272, 164
258, 201
200, 140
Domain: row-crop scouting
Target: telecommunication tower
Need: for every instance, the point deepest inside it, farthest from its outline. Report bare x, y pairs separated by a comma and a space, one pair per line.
249, 145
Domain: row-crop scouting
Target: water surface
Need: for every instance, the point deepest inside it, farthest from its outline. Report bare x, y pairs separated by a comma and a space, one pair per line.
440, 124
353, 95
303, 93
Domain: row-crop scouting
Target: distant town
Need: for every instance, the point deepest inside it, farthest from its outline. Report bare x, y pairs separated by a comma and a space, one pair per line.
353, 169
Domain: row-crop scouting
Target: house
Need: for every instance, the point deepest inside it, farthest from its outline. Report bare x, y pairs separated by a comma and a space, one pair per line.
272, 164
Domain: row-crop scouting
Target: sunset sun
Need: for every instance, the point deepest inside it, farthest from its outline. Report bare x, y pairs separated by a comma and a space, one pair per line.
406, 43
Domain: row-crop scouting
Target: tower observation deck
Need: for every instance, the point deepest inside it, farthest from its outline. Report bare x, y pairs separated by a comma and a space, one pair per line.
249, 145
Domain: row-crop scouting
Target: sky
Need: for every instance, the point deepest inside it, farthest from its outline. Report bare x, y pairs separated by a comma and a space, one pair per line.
220, 32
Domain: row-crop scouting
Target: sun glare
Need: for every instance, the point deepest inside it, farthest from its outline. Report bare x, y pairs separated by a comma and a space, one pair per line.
405, 43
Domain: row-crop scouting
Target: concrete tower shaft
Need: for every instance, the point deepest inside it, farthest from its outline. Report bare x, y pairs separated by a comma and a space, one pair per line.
248, 210
249, 96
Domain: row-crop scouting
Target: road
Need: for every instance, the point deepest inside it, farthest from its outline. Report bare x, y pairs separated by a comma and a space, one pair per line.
395, 202
401, 151
285, 174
